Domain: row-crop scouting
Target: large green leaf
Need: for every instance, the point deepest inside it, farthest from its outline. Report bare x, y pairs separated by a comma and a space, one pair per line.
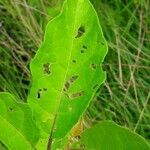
17, 130
66, 71
109, 136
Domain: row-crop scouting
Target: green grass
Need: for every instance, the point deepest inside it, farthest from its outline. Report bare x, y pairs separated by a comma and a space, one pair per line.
125, 96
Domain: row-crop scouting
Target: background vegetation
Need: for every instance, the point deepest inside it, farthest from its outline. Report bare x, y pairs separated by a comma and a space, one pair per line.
125, 96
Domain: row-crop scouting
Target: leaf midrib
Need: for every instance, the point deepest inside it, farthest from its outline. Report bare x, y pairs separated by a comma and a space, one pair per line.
70, 55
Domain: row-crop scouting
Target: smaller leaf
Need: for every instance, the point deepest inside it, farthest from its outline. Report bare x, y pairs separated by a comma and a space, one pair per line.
109, 136
17, 129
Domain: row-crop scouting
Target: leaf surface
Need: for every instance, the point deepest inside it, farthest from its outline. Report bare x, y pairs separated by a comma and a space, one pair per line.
109, 136
17, 130
66, 71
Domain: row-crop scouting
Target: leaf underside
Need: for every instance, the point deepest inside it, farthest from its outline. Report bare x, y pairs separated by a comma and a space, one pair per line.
17, 129
109, 136
66, 71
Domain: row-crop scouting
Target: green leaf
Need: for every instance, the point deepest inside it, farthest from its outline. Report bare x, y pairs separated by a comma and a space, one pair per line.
109, 136
17, 129
66, 71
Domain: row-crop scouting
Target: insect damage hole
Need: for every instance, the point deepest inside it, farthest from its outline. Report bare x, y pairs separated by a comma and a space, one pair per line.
81, 31
82, 51
74, 61
47, 68
93, 66
11, 108
84, 48
77, 94
70, 81
44, 89
40, 91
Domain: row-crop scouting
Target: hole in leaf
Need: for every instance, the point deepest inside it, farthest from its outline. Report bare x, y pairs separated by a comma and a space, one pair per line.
47, 68
69, 82
44, 89
82, 51
66, 86
73, 78
93, 66
76, 95
11, 108
78, 137
81, 31
74, 61
66, 94
85, 47
39, 93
